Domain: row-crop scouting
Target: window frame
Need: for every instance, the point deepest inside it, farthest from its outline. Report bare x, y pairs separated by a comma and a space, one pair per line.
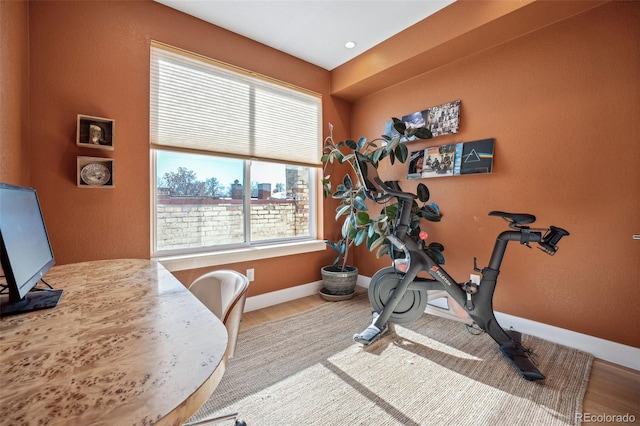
207, 256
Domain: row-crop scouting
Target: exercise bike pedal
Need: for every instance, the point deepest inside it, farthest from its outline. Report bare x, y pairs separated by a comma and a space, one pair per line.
523, 363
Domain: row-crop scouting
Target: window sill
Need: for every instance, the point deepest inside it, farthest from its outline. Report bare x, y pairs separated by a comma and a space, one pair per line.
203, 260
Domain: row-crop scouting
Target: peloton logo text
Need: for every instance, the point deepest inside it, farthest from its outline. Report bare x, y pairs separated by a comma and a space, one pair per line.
436, 271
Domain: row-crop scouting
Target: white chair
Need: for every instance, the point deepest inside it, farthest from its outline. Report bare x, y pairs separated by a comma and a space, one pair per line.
224, 292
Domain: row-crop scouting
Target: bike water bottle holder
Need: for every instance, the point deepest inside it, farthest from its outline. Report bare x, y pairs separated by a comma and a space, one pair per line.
470, 289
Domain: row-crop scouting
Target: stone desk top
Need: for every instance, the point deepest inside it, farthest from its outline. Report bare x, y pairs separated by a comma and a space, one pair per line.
128, 344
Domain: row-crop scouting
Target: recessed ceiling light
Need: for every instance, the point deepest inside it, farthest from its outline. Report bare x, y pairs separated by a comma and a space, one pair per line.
350, 44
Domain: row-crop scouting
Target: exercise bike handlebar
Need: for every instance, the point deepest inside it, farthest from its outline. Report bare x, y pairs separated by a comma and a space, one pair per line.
549, 243
374, 188
518, 221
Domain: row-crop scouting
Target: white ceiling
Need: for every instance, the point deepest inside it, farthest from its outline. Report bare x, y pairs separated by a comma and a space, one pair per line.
313, 30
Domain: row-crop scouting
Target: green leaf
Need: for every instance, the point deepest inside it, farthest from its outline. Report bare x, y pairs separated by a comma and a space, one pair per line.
423, 133
351, 144
435, 254
393, 143
358, 203
436, 246
399, 125
377, 155
391, 211
345, 228
361, 143
422, 192
374, 241
427, 212
360, 237
348, 158
338, 194
371, 230
348, 183
435, 208
333, 245
362, 218
401, 152
383, 227
352, 231
342, 210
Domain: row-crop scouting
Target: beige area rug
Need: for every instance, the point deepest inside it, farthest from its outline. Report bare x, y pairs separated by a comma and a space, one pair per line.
305, 369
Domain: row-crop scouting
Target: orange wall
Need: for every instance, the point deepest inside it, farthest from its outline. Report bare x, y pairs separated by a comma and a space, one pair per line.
93, 58
562, 104
14, 92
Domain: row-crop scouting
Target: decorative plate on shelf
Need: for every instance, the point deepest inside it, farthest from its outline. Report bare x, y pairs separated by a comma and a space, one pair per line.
95, 174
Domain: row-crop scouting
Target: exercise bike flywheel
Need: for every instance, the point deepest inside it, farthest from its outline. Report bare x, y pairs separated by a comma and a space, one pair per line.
410, 307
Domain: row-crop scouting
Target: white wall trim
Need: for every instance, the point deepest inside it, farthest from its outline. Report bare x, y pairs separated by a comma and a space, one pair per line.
245, 254
280, 296
617, 353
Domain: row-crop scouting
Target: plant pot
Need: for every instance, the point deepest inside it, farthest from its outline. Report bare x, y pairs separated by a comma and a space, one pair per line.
339, 282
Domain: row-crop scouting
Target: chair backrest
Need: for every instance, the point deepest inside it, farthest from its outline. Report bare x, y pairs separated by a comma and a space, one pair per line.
224, 292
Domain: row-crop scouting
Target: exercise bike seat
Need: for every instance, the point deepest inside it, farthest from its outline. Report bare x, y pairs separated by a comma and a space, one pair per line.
516, 218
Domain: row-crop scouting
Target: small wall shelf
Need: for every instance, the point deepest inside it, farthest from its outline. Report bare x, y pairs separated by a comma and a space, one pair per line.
95, 132
95, 172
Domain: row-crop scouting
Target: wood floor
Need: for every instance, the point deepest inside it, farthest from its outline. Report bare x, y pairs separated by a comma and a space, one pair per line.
613, 390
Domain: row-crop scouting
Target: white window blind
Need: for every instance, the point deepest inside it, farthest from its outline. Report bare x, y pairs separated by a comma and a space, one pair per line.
198, 104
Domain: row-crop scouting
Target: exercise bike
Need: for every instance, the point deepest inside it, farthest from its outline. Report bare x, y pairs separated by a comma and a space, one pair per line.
399, 297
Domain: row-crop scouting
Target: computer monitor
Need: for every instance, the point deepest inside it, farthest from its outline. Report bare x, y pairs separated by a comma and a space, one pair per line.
25, 251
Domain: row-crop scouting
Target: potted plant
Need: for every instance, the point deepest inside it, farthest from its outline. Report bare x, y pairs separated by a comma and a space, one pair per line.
357, 225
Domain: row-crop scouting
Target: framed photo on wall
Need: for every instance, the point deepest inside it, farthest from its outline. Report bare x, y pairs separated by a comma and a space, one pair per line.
440, 120
416, 164
456, 159
477, 157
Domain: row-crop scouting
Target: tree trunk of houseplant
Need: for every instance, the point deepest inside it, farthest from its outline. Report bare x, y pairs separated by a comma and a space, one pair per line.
339, 282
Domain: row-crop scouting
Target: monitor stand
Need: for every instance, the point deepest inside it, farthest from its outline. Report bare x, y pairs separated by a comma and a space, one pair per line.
33, 301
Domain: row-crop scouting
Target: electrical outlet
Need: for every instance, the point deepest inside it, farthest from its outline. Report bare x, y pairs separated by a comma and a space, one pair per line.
251, 274
475, 278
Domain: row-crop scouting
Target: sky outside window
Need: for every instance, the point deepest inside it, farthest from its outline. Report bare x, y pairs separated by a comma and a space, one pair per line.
226, 170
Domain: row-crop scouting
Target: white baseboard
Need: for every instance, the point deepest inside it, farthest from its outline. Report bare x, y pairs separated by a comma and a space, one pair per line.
280, 296
275, 297
617, 353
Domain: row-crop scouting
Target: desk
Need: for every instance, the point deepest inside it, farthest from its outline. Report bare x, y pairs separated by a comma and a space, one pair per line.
128, 344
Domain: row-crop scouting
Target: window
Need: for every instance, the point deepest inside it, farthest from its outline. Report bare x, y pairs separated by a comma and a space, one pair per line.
234, 157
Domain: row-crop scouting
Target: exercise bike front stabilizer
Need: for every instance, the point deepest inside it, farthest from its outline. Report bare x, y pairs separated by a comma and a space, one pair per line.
400, 297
